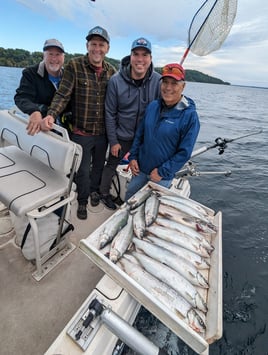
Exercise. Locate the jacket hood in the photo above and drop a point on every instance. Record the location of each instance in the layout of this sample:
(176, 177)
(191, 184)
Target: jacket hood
(125, 70)
(41, 69)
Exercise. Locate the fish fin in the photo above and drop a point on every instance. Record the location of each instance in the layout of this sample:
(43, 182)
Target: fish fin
(179, 314)
(199, 227)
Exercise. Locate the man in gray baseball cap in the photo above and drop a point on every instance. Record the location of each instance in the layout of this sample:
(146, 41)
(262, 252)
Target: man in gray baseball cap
(53, 43)
(39, 83)
(84, 84)
(98, 31)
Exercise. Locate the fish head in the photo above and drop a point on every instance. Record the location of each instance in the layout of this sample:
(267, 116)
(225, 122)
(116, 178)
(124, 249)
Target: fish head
(195, 321)
(114, 255)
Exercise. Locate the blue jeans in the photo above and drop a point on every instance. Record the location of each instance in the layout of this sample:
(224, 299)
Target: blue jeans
(138, 181)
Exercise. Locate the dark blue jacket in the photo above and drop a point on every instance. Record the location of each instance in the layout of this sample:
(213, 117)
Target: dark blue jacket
(165, 137)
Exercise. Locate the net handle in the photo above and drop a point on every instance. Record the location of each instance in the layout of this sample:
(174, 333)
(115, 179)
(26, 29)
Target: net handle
(200, 28)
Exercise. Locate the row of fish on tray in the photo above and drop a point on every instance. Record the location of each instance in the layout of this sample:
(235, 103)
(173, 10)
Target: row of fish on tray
(164, 243)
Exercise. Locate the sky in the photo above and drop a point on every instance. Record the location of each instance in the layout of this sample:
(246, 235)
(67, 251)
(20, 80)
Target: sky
(242, 59)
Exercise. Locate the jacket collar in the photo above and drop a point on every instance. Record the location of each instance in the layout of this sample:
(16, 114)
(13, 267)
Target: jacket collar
(41, 69)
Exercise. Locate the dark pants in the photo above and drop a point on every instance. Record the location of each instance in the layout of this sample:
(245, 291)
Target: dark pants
(88, 176)
(110, 167)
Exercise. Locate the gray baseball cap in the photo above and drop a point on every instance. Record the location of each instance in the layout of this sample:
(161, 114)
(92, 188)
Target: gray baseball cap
(98, 31)
(53, 43)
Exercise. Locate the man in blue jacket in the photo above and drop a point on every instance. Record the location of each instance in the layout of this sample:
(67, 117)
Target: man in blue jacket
(128, 93)
(165, 138)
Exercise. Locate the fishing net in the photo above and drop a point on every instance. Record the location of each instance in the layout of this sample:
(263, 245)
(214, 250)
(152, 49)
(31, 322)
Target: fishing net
(211, 25)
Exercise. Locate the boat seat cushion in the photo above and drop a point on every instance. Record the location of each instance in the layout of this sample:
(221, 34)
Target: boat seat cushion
(48, 147)
(27, 183)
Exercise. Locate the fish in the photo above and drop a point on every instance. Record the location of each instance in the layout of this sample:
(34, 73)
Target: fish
(188, 202)
(151, 209)
(188, 210)
(179, 239)
(122, 240)
(187, 231)
(166, 295)
(139, 221)
(139, 198)
(113, 226)
(172, 279)
(170, 259)
(195, 259)
(174, 215)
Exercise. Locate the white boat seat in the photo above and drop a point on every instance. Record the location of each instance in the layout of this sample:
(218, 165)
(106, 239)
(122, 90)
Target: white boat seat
(27, 183)
(36, 172)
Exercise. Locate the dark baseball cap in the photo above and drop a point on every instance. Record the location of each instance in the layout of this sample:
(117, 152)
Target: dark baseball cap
(98, 31)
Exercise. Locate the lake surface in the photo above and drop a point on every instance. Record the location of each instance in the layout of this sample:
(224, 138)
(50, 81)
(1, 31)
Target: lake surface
(229, 112)
(226, 112)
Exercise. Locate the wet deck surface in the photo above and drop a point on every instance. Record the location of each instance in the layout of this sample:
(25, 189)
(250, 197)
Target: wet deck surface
(34, 313)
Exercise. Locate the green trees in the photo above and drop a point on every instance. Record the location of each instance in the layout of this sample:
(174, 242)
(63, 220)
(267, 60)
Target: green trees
(21, 58)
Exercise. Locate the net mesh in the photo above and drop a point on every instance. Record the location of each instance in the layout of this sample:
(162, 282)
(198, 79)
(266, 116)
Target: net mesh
(211, 25)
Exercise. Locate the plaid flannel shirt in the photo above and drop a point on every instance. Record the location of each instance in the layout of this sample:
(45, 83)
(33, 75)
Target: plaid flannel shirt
(81, 86)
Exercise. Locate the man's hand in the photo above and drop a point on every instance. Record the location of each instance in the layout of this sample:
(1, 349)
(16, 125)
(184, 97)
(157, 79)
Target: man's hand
(34, 124)
(47, 123)
(134, 167)
(154, 176)
(115, 149)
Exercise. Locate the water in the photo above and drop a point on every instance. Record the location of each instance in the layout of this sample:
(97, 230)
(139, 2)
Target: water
(226, 112)
(9, 81)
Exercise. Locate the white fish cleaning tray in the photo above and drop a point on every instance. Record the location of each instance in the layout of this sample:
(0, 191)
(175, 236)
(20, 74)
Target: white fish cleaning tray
(212, 295)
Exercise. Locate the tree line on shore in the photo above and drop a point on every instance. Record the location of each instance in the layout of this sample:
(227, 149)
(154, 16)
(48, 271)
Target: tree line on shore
(21, 58)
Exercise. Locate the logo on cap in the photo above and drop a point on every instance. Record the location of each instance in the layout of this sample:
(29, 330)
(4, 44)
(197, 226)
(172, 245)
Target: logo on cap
(143, 43)
(98, 31)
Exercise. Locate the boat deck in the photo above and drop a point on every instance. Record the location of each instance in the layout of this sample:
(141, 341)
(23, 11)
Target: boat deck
(34, 313)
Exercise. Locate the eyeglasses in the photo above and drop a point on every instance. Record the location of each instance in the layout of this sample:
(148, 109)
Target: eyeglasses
(173, 71)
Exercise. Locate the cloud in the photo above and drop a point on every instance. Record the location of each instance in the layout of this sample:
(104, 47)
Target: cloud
(166, 24)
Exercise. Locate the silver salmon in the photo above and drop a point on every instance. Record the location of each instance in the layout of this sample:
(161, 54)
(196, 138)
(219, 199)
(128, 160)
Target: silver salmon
(175, 215)
(187, 231)
(195, 259)
(122, 240)
(151, 209)
(188, 210)
(170, 259)
(178, 238)
(173, 279)
(139, 198)
(139, 221)
(185, 200)
(112, 227)
(166, 295)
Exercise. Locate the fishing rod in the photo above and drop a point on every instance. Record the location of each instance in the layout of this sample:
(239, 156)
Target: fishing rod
(190, 168)
(216, 22)
(221, 143)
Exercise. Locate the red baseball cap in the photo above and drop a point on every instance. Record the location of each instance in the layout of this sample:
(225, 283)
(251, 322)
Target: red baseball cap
(174, 70)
